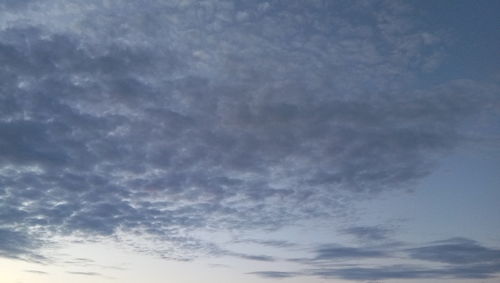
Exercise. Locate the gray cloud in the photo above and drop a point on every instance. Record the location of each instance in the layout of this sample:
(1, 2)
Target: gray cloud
(36, 272)
(457, 251)
(254, 257)
(410, 272)
(464, 259)
(84, 273)
(216, 250)
(173, 116)
(19, 245)
(338, 252)
(368, 233)
(269, 243)
(275, 274)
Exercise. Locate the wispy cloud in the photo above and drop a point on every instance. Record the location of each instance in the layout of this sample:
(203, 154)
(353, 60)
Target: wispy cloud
(84, 273)
(409, 272)
(368, 233)
(464, 259)
(275, 274)
(269, 243)
(36, 272)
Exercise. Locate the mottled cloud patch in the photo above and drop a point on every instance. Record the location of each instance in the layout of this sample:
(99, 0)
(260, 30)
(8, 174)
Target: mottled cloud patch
(165, 118)
(19, 245)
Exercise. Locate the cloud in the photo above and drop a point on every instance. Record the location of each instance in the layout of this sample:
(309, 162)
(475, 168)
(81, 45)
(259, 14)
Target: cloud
(388, 272)
(216, 250)
(254, 257)
(463, 259)
(274, 274)
(36, 272)
(171, 117)
(456, 251)
(338, 252)
(18, 245)
(328, 254)
(84, 273)
(269, 243)
(80, 260)
(409, 272)
(368, 233)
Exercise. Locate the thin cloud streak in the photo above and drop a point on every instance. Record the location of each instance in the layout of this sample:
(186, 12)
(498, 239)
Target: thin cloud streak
(464, 259)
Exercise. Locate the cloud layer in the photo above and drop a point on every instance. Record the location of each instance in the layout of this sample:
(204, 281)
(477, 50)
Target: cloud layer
(174, 116)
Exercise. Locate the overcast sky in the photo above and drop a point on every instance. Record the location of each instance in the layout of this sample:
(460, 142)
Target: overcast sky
(249, 141)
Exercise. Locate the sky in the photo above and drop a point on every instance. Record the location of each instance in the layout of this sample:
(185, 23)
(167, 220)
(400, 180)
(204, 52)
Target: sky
(249, 141)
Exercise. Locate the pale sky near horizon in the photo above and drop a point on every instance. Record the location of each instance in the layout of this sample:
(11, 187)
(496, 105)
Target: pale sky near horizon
(249, 141)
